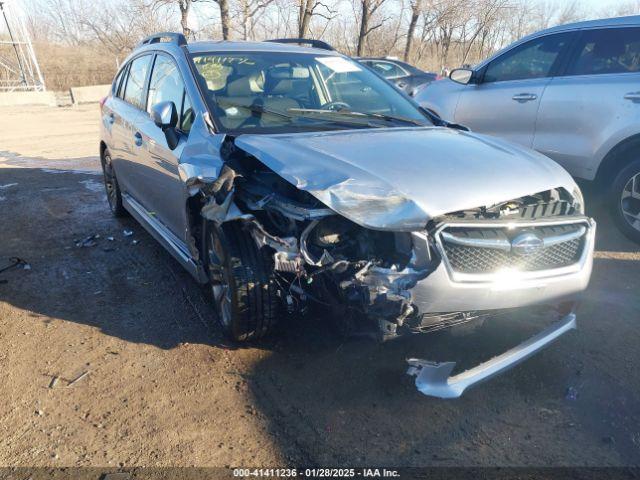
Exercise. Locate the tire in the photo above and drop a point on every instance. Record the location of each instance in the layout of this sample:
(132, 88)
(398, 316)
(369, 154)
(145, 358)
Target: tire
(624, 200)
(114, 196)
(241, 282)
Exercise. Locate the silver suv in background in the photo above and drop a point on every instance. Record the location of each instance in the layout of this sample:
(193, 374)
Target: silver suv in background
(571, 92)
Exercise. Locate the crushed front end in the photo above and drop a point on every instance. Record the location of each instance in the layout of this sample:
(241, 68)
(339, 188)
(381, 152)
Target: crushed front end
(388, 282)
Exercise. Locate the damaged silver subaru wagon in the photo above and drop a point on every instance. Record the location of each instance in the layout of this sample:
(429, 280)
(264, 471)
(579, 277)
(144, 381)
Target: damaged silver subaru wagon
(280, 175)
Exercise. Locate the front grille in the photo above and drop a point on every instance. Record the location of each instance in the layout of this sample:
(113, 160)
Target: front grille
(544, 210)
(497, 253)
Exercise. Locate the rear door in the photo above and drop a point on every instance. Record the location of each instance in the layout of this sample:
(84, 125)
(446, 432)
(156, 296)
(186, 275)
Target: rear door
(505, 102)
(110, 110)
(597, 96)
(158, 181)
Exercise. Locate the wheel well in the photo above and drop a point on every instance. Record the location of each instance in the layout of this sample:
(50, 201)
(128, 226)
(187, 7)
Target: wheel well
(616, 159)
(103, 147)
(193, 206)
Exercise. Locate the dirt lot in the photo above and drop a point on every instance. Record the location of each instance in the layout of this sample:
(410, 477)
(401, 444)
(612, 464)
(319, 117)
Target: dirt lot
(164, 388)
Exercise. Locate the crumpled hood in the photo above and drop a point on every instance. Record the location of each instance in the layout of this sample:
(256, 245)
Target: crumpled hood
(400, 178)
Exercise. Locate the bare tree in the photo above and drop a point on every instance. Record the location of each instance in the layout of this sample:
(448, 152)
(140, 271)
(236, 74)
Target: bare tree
(368, 9)
(416, 9)
(184, 6)
(118, 27)
(307, 9)
(249, 13)
(65, 17)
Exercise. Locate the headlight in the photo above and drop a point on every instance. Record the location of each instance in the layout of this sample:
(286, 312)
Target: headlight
(578, 200)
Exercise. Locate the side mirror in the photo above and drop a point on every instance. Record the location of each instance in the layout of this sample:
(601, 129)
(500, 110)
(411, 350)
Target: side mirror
(461, 75)
(165, 116)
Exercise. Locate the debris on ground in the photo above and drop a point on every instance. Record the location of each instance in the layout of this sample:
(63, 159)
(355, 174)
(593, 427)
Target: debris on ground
(54, 382)
(135, 242)
(571, 394)
(127, 233)
(14, 263)
(111, 239)
(78, 378)
(89, 241)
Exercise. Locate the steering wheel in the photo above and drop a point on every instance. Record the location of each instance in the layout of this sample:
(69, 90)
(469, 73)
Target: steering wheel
(336, 106)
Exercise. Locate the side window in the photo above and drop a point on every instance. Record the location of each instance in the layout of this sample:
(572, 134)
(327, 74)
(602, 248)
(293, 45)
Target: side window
(166, 85)
(122, 81)
(613, 50)
(387, 69)
(534, 59)
(134, 90)
(116, 82)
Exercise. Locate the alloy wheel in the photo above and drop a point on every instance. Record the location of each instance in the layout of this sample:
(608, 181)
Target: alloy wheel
(630, 202)
(110, 182)
(218, 278)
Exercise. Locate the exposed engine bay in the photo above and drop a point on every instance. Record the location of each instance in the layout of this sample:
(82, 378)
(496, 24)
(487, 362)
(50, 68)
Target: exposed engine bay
(319, 256)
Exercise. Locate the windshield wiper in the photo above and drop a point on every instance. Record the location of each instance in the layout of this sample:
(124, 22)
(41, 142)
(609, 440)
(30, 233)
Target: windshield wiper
(352, 113)
(259, 109)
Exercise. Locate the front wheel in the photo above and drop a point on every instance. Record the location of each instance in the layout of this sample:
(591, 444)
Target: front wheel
(625, 200)
(241, 281)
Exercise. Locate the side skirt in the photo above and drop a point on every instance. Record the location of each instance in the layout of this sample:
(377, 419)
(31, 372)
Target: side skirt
(176, 247)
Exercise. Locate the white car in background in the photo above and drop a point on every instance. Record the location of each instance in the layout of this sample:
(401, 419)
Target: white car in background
(571, 92)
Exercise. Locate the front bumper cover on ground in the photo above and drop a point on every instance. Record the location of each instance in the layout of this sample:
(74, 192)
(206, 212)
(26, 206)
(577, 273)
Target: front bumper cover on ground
(433, 379)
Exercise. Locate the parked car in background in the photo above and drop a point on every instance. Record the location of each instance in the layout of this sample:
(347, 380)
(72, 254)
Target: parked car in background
(404, 76)
(571, 92)
(279, 175)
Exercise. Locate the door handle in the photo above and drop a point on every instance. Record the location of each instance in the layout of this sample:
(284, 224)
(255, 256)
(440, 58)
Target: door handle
(524, 97)
(138, 139)
(633, 96)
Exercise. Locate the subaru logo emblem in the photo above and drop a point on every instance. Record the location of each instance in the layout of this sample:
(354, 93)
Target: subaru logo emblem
(526, 243)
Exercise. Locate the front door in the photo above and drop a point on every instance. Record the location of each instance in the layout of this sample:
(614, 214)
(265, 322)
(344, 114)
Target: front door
(159, 181)
(505, 101)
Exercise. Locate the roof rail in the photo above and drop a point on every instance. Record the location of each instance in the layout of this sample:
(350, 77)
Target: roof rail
(176, 38)
(303, 41)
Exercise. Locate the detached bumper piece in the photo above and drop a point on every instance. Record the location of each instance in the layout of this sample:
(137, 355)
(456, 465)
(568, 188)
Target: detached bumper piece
(433, 379)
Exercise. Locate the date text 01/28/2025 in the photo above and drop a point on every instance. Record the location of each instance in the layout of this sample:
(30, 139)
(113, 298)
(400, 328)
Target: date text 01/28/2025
(316, 472)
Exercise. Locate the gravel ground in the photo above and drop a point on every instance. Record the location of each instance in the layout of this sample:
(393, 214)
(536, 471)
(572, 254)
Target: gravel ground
(111, 356)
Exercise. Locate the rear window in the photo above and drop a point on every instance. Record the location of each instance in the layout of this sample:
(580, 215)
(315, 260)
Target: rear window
(613, 50)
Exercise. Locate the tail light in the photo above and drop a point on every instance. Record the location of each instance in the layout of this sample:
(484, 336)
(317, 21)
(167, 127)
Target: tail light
(102, 101)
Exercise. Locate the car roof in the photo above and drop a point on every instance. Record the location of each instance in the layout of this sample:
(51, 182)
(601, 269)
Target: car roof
(602, 22)
(630, 20)
(242, 46)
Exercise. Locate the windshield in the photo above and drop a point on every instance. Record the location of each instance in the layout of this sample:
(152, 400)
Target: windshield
(284, 92)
